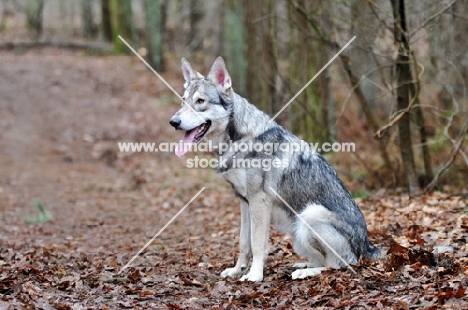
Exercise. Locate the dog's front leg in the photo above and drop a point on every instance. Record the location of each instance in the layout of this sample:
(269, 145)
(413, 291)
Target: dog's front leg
(260, 216)
(244, 242)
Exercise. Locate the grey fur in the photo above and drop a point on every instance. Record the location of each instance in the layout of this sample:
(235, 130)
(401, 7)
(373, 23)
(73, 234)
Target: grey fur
(308, 184)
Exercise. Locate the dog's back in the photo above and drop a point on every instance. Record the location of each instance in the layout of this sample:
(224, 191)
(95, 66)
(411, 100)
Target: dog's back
(308, 181)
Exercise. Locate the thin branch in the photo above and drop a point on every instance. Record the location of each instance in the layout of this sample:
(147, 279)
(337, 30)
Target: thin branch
(400, 114)
(382, 74)
(351, 91)
(455, 149)
(18, 6)
(462, 153)
(460, 76)
(452, 156)
(465, 18)
(449, 124)
(352, 175)
(431, 18)
(373, 6)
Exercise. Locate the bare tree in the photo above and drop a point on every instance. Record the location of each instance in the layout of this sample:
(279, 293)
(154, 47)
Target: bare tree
(404, 96)
(34, 17)
(270, 60)
(89, 30)
(122, 24)
(106, 25)
(253, 87)
(195, 35)
(155, 32)
(233, 34)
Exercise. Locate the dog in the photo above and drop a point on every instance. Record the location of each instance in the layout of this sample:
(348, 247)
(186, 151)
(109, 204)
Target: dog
(302, 194)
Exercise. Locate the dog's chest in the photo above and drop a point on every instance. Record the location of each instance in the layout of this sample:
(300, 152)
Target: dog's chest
(238, 180)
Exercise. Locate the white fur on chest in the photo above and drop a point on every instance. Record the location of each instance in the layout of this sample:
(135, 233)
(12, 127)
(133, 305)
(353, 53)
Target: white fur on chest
(238, 179)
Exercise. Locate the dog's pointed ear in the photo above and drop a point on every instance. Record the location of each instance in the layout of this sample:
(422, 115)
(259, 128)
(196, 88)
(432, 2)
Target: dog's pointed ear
(219, 74)
(187, 70)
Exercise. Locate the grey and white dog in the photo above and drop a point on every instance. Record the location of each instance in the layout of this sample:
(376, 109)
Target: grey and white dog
(304, 198)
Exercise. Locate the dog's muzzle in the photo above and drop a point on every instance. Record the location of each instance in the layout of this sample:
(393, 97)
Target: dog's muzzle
(175, 121)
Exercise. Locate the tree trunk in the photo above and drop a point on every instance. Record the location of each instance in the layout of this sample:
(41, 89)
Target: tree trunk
(122, 24)
(327, 101)
(34, 17)
(253, 86)
(310, 112)
(220, 30)
(270, 58)
(87, 19)
(321, 91)
(195, 35)
(155, 31)
(106, 26)
(429, 174)
(299, 47)
(404, 79)
(330, 103)
(460, 29)
(235, 38)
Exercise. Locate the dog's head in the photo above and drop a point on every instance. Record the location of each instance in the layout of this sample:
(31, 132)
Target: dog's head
(206, 104)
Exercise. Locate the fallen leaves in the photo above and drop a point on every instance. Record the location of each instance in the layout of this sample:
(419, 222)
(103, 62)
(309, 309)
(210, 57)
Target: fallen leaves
(182, 271)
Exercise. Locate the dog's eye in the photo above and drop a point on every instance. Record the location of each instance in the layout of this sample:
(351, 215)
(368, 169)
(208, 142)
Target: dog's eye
(200, 101)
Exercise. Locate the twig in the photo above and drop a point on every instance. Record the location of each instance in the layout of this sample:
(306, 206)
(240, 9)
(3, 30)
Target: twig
(373, 6)
(352, 175)
(455, 149)
(465, 18)
(446, 133)
(400, 114)
(452, 156)
(18, 6)
(434, 16)
(351, 91)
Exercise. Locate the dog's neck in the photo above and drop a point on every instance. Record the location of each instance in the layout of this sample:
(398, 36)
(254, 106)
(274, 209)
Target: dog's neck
(245, 121)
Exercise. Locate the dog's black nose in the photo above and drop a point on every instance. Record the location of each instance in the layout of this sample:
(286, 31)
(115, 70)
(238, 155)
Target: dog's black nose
(175, 122)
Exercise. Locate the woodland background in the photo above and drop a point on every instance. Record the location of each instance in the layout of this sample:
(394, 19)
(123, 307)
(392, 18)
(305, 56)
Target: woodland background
(74, 210)
(401, 85)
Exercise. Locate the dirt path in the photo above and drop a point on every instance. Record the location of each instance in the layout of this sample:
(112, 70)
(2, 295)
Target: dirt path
(61, 116)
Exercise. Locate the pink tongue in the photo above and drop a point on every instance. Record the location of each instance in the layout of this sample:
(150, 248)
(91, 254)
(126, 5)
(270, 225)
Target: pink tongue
(186, 142)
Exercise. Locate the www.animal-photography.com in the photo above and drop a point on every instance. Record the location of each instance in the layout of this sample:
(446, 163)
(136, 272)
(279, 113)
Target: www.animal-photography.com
(238, 154)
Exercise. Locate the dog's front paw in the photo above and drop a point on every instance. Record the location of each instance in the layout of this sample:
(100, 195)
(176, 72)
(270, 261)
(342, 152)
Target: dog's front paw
(233, 272)
(253, 276)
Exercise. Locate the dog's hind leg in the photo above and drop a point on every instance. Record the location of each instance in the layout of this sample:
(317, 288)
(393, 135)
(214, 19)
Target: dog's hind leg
(320, 243)
(302, 246)
(307, 272)
(307, 244)
(316, 261)
(244, 243)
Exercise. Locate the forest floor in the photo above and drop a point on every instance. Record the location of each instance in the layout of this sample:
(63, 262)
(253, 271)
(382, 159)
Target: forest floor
(61, 116)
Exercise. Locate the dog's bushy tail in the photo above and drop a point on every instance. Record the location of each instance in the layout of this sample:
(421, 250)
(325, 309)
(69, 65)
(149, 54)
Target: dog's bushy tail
(373, 252)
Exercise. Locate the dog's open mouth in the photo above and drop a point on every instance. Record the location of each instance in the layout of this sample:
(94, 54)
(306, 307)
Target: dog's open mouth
(191, 137)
